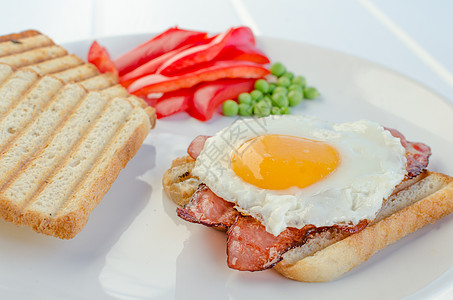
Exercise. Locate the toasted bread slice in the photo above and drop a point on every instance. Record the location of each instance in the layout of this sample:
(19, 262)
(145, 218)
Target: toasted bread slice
(66, 131)
(329, 254)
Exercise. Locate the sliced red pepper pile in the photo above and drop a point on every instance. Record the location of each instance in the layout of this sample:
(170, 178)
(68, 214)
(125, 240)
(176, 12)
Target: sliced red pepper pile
(181, 70)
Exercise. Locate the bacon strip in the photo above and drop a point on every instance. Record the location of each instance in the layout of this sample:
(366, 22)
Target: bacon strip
(197, 145)
(251, 248)
(208, 209)
(417, 154)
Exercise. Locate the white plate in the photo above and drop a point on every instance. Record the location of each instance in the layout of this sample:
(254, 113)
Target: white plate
(135, 247)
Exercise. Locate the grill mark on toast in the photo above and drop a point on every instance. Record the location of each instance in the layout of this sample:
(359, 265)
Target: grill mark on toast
(5, 72)
(118, 90)
(115, 91)
(71, 173)
(26, 109)
(139, 102)
(48, 161)
(58, 64)
(149, 110)
(78, 73)
(99, 82)
(15, 87)
(24, 44)
(35, 136)
(33, 56)
(134, 102)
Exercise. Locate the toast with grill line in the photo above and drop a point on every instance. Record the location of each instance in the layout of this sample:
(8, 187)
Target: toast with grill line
(66, 131)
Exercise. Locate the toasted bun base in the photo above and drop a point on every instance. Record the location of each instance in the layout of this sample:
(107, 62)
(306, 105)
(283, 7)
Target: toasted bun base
(178, 182)
(327, 256)
(436, 193)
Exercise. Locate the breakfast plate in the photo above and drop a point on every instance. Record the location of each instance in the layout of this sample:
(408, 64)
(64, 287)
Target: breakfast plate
(135, 247)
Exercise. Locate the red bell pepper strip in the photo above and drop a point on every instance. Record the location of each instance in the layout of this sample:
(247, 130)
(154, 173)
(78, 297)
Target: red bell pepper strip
(98, 56)
(195, 55)
(170, 39)
(241, 35)
(172, 102)
(157, 83)
(209, 95)
(243, 52)
(151, 66)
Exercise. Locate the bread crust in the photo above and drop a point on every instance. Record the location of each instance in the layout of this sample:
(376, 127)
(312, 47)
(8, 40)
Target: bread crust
(20, 35)
(343, 255)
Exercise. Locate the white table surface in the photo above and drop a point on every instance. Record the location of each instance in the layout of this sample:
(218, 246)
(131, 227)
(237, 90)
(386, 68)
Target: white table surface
(412, 37)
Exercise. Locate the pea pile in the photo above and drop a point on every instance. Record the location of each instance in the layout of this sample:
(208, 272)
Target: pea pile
(271, 98)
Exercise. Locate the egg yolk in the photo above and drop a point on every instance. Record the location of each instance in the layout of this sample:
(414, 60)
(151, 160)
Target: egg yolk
(278, 162)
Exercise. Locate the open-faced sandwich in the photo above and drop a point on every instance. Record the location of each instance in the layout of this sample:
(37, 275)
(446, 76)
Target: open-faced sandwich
(309, 198)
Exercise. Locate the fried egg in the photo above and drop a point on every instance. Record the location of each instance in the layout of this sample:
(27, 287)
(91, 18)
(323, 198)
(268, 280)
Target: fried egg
(291, 171)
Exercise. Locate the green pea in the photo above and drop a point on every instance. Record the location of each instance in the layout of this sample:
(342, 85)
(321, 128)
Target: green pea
(284, 81)
(256, 95)
(299, 80)
(244, 98)
(267, 100)
(278, 69)
(262, 85)
(275, 111)
(261, 109)
(295, 87)
(280, 89)
(245, 109)
(272, 87)
(230, 108)
(279, 100)
(310, 92)
(285, 110)
(289, 75)
(294, 98)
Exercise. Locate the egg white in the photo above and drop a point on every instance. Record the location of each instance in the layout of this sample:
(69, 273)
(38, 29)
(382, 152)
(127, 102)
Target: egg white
(373, 162)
